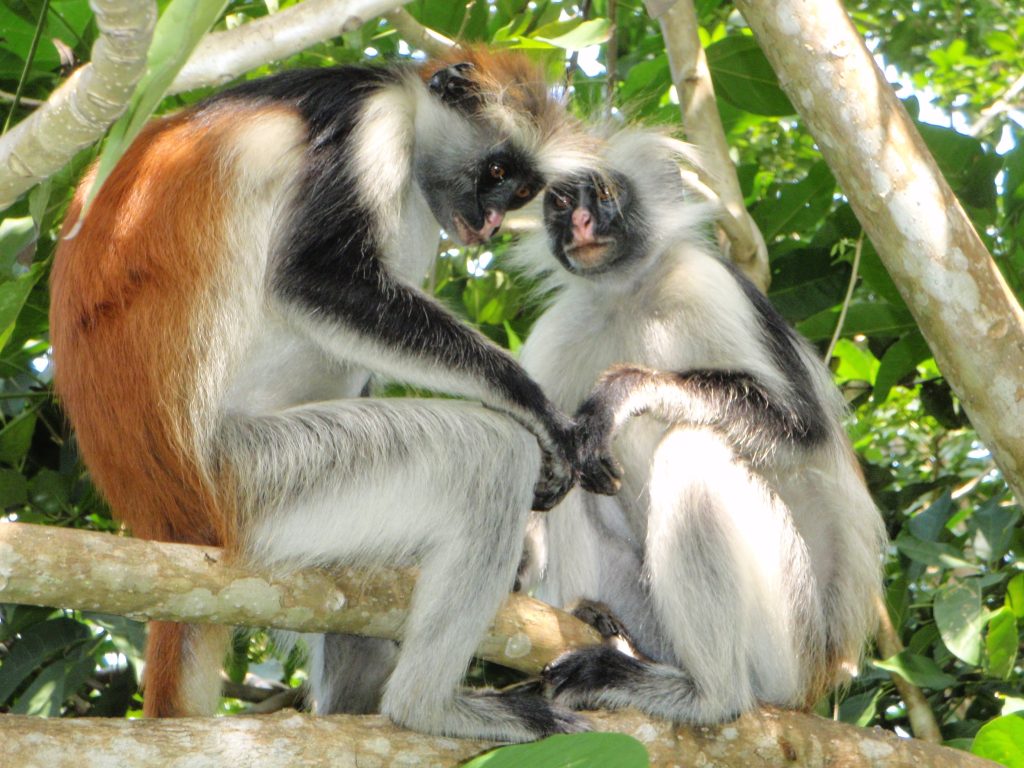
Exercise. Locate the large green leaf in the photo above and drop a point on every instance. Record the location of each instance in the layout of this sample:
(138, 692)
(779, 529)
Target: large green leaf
(742, 75)
(931, 553)
(809, 198)
(1015, 595)
(13, 294)
(917, 669)
(579, 750)
(573, 35)
(900, 360)
(36, 646)
(869, 318)
(178, 31)
(1001, 643)
(1002, 740)
(959, 617)
(805, 282)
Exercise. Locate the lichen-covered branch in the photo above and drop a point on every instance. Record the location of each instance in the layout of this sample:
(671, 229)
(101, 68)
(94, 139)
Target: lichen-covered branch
(80, 111)
(703, 126)
(766, 739)
(966, 311)
(43, 565)
(223, 56)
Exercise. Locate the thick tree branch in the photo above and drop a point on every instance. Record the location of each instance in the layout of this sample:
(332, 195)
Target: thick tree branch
(223, 56)
(703, 128)
(766, 739)
(43, 565)
(972, 322)
(80, 111)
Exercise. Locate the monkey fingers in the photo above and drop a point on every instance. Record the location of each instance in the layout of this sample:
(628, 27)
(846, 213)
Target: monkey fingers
(600, 472)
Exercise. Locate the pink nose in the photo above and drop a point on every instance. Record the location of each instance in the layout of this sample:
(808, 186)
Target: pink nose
(582, 225)
(492, 221)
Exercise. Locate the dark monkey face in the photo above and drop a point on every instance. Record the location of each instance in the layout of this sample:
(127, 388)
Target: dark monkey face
(593, 224)
(477, 173)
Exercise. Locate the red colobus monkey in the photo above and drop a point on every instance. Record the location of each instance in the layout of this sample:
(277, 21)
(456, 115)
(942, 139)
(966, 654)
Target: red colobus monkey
(743, 551)
(248, 264)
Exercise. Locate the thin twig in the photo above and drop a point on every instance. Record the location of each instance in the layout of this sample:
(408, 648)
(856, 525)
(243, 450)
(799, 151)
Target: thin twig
(1003, 104)
(846, 299)
(611, 58)
(23, 101)
(33, 47)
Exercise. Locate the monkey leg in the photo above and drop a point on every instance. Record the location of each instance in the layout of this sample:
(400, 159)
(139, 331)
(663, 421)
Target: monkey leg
(728, 578)
(348, 672)
(443, 484)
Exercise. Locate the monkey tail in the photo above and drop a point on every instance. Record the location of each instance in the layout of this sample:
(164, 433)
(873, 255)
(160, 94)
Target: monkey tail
(183, 663)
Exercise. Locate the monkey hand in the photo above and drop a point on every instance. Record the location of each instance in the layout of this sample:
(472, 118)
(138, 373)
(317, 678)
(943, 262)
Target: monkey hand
(600, 472)
(557, 473)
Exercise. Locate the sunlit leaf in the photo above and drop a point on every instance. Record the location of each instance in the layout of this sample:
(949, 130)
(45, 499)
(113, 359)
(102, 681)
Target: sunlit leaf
(1001, 643)
(916, 669)
(742, 75)
(1002, 740)
(959, 618)
(578, 750)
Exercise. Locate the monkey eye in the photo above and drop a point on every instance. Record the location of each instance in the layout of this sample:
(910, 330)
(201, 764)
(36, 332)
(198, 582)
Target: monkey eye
(561, 202)
(497, 171)
(524, 192)
(605, 192)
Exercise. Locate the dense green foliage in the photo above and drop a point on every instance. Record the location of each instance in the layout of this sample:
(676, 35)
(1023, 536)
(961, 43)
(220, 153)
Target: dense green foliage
(954, 574)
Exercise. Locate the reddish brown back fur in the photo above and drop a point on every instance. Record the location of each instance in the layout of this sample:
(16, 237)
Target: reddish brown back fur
(125, 293)
(126, 297)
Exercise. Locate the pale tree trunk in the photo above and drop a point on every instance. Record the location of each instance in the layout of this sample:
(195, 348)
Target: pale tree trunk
(703, 127)
(80, 111)
(765, 739)
(972, 322)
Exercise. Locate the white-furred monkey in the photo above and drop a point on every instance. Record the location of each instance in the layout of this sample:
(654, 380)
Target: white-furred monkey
(742, 552)
(248, 264)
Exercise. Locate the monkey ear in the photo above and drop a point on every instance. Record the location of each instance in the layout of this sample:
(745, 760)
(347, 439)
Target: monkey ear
(453, 87)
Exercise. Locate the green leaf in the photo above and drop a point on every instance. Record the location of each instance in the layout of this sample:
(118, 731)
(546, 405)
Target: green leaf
(996, 524)
(573, 35)
(869, 318)
(54, 684)
(13, 294)
(16, 437)
(855, 364)
(805, 282)
(812, 193)
(916, 669)
(178, 31)
(929, 523)
(899, 361)
(959, 617)
(1001, 643)
(13, 489)
(931, 553)
(742, 75)
(1015, 595)
(16, 234)
(37, 645)
(1002, 740)
(578, 750)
